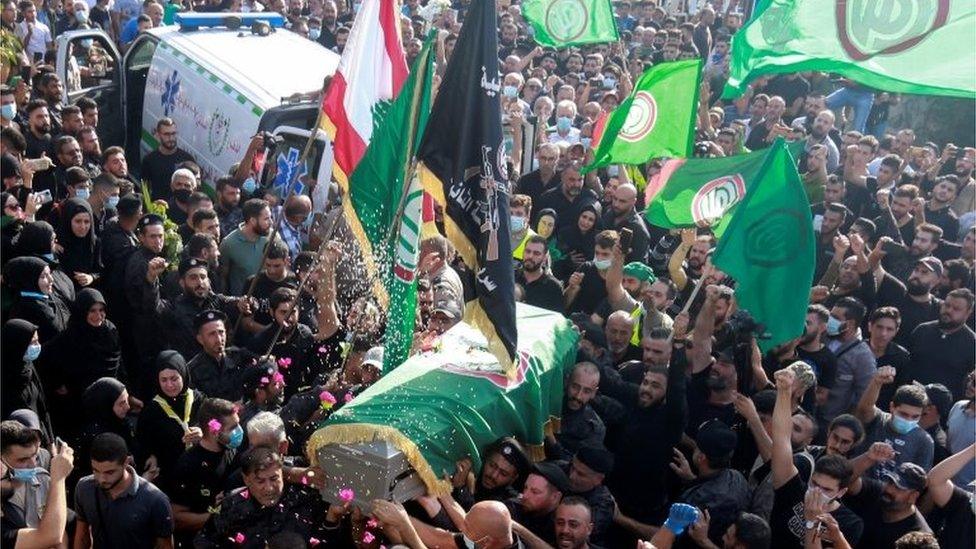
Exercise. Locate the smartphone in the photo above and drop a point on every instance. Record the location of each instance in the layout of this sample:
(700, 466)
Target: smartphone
(45, 196)
(59, 444)
(626, 236)
(38, 57)
(817, 223)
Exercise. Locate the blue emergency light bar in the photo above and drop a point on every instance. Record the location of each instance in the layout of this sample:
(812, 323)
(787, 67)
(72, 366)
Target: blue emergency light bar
(233, 21)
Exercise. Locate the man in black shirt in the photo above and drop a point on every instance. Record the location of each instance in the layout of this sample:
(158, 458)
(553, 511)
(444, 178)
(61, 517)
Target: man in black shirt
(536, 507)
(814, 351)
(159, 165)
(623, 215)
(539, 288)
(587, 286)
(896, 515)
(568, 198)
(276, 273)
(917, 305)
(944, 351)
(218, 370)
(882, 327)
(619, 330)
(937, 210)
(538, 181)
(954, 504)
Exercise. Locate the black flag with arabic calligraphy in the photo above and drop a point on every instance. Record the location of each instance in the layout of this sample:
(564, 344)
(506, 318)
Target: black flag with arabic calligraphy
(463, 168)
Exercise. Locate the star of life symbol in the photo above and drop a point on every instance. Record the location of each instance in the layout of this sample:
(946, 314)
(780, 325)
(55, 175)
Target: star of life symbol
(288, 163)
(172, 89)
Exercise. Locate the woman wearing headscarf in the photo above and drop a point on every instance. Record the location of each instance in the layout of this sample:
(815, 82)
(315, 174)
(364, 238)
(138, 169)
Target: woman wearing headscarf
(575, 243)
(79, 256)
(167, 424)
(31, 281)
(88, 349)
(105, 405)
(21, 385)
(38, 239)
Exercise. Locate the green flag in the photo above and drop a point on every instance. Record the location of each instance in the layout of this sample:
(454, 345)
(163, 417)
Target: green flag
(563, 23)
(656, 119)
(452, 401)
(385, 203)
(903, 49)
(699, 192)
(769, 249)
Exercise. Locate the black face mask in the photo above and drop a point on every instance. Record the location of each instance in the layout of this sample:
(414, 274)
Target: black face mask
(182, 195)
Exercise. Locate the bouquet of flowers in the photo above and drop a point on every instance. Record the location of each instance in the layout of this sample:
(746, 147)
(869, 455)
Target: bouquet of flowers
(433, 9)
(172, 243)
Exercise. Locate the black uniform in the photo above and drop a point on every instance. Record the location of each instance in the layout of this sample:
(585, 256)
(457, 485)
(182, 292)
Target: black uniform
(220, 378)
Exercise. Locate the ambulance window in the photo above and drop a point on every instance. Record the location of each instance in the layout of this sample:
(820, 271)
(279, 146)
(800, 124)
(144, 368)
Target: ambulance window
(286, 154)
(91, 64)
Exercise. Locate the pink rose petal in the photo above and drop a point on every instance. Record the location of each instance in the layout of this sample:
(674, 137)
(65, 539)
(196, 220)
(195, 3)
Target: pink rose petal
(278, 378)
(368, 537)
(214, 425)
(371, 523)
(265, 381)
(346, 494)
(313, 541)
(239, 538)
(246, 494)
(347, 398)
(326, 396)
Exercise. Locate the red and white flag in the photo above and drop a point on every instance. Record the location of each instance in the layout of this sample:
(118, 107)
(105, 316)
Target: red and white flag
(372, 70)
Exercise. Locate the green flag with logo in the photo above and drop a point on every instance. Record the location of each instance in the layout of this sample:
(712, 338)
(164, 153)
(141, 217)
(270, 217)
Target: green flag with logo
(452, 400)
(909, 46)
(769, 249)
(656, 119)
(700, 192)
(389, 208)
(563, 23)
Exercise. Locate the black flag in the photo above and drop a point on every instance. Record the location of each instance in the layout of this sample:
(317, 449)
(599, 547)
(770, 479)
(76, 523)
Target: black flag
(463, 168)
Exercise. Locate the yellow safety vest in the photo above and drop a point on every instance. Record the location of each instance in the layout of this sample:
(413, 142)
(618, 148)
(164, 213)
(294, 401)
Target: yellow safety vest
(520, 249)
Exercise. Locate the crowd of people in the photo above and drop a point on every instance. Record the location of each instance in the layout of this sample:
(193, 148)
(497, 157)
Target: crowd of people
(154, 397)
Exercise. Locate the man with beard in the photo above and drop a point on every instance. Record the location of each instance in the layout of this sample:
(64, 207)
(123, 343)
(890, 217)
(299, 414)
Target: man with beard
(854, 276)
(834, 218)
(714, 381)
(917, 305)
(642, 442)
(623, 215)
(855, 361)
(542, 179)
(503, 470)
(899, 260)
(228, 204)
(264, 390)
(175, 319)
(539, 288)
(242, 250)
(966, 197)
(813, 350)
(574, 523)
(202, 470)
(91, 150)
(580, 423)
(535, 508)
(619, 331)
(897, 493)
(568, 198)
(944, 350)
(695, 248)
(844, 433)
(937, 210)
(762, 135)
(276, 273)
(820, 135)
(217, 370)
(116, 507)
(587, 287)
(115, 167)
(67, 155)
(142, 268)
(329, 24)
(39, 139)
(159, 165)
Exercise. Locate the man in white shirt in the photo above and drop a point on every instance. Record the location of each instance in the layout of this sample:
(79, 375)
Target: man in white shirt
(36, 36)
(564, 130)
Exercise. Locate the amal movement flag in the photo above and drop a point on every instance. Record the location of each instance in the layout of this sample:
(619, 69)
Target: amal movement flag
(563, 23)
(769, 249)
(388, 204)
(656, 119)
(909, 46)
(370, 74)
(702, 192)
(464, 170)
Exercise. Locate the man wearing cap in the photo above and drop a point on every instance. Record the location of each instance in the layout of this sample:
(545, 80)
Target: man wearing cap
(634, 288)
(587, 470)
(142, 267)
(536, 507)
(264, 389)
(897, 492)
(504, 467)
(623, 215)
(539, 288)
(176, 317)
(444, 315)
(580, 425)
(218, 370)
(935, 417)
(716, 487)
(916, 302)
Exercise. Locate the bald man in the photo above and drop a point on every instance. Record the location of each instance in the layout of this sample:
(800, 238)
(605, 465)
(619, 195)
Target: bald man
(619, 330)
(487, 525)
(293, 229)
(623, 214)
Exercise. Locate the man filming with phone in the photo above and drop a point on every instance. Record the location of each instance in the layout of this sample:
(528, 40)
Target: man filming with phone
(623, 218)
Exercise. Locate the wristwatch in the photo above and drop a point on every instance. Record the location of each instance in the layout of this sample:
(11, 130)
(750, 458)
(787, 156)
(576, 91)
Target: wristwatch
(810, 524)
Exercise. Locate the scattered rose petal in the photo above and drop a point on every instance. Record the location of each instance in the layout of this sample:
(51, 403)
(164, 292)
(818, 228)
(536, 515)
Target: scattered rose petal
(305, 479)
(328, 399)
(346, 494)
(278, 378)
(371, 523)
(313, 541)
(246, 494)
(323, 350)
(284, 363)
(265, 381)
(214, 425)
(347, 398)
(368, 537)
(239, 538)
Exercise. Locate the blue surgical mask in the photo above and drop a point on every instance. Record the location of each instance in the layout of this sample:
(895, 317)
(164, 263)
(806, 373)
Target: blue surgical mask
(602, 264)
(563, 123)
(83, 194)
(834, 326)
(28, 474)
(609, 82)
(518, 224)
(235, 438)
(82, 18)
(903, 426)
(112, 201)
(313, 34)
(613, 170)
(8, 111)
(510, 91)
(586, 142)
(87, 43)
(48, 256)
(33, 351)
(249, 185)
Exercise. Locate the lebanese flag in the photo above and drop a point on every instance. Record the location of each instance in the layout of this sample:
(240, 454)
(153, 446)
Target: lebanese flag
(372, 70)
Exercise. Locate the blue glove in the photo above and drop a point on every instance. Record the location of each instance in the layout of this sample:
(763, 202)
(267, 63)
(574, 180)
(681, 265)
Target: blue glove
(680, 516)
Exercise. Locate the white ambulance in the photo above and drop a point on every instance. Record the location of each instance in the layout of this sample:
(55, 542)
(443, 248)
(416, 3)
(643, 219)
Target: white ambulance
(222, 77)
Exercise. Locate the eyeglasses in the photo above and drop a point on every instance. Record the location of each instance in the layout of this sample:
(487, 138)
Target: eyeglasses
(15, 206)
